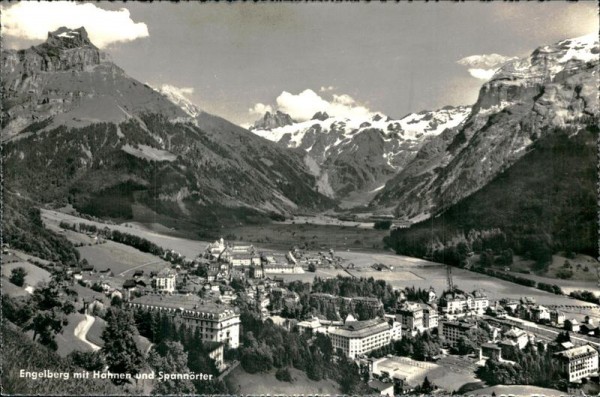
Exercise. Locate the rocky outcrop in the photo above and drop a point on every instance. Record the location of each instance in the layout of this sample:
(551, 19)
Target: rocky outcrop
(68, 81)
(272, 121)
(320, 116)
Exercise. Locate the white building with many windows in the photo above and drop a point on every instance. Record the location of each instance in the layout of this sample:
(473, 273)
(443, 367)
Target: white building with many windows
(165, 280)
(579, 362)
(360, 337)
(465, 303)
(417, 317)
(216, 322)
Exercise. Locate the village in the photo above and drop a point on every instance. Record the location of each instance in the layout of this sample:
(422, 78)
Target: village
(467, 328)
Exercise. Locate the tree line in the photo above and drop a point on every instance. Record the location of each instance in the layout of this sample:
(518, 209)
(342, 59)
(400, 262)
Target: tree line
(178, 349)
(525, 209)
(131, 240)
(266, 346)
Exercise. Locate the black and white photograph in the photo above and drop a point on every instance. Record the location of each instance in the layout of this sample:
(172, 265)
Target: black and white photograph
(336, 198)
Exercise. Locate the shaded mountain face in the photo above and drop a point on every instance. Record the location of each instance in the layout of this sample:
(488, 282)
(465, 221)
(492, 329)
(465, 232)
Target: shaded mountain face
(355, 157)
(545, 202)
(76, 128)
(556, 86)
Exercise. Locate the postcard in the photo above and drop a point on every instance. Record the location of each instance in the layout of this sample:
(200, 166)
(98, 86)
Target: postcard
(300, 198)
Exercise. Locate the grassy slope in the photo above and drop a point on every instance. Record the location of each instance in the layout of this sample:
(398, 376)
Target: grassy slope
(18, 353)
(548, 194)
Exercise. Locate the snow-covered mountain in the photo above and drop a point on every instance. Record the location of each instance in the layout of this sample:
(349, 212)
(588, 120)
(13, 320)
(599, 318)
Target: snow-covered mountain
(174, 95)
(554, 87)
(358, 155)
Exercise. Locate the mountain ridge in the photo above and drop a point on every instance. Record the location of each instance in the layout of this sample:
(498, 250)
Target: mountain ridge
(556, 85)
(83, 132)
(356, 155)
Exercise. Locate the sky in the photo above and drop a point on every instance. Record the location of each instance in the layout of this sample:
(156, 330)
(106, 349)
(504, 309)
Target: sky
(238, 60)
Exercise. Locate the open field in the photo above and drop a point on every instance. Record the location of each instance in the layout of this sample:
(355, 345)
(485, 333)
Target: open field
(516, 390)
(431, 274)
(188, 248)
(578, 266)
(12, 290)
(454, 372)
(94, 335)
(34, 274)
(88, 294)
(267, 384)
(308, 277)
(589, 284)
(120, 258)
(326, 220)
(581, 278)
(20, 256)
(285, 236)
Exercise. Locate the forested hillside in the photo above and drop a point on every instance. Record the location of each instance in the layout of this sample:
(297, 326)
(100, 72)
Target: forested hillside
(544, 203)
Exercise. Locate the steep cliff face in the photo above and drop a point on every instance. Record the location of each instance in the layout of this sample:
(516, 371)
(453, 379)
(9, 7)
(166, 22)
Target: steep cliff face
(353, 157)
(78, 129)
(68, 81)
(556, 86)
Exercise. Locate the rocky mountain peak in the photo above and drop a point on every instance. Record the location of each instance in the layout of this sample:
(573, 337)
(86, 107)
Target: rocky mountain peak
(273, 120)
(66, 38)
(320, 116)
(556, 86)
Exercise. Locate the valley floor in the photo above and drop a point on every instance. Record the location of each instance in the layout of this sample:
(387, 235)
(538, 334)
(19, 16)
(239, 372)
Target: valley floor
(406, 272)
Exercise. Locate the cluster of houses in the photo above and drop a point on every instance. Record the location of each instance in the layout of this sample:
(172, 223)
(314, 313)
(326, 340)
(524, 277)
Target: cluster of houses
(227, 260)
(206, 300)
(527, 309)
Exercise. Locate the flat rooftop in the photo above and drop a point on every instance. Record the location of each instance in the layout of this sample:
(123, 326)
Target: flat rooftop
(361, 329)
(184, 303)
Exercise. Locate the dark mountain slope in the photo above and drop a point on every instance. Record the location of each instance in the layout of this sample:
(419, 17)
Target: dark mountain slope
(23, 229)
(77, 129)
(546, 201)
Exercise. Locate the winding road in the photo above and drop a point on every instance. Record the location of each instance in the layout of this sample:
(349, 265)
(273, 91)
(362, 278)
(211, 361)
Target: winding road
(82, 329)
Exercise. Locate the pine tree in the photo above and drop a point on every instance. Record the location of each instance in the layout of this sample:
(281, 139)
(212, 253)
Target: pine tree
(120, 350)
(170, 358)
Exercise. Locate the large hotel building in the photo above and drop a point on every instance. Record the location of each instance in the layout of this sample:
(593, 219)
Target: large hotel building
(579, 362)
(217, 323)
(360, 337)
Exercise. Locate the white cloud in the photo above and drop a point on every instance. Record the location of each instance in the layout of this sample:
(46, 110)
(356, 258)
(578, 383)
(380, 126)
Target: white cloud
(484, 66)
(33, 21)
(326, 88)
(182, 92)
(304, 105)
(483, 74)
(260, 109)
